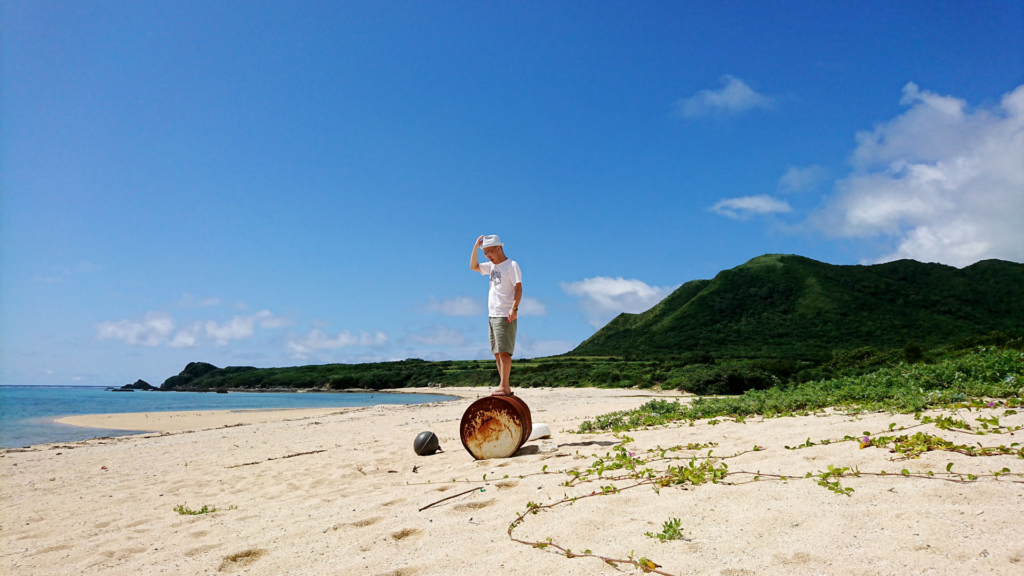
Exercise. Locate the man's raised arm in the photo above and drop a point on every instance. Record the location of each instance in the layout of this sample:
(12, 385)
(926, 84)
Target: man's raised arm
(474, 264)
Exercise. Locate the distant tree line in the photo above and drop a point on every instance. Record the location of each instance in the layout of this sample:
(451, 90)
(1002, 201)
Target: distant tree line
(695, 372)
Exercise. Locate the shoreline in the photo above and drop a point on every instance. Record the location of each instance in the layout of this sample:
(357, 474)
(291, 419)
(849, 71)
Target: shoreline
(207, 415)
(185, 420)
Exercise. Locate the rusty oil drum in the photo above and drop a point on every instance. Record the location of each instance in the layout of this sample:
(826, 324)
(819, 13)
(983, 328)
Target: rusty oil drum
(495, 427)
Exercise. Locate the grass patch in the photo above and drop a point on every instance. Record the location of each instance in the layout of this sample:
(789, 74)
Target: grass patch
(186, 511)
(670, 530)
(965, 377)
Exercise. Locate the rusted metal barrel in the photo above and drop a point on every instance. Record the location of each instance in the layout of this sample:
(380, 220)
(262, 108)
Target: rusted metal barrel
(495, 426)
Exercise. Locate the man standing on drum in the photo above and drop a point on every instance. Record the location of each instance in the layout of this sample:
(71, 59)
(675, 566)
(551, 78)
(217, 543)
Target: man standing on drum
(502, 303)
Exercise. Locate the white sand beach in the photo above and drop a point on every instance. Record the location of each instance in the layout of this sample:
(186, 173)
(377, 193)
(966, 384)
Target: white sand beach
(347, 500)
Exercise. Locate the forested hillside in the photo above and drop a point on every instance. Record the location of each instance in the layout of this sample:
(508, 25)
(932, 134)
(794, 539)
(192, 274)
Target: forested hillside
(783, 306)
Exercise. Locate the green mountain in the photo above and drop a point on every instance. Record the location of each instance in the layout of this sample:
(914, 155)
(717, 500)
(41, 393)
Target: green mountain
(785, 306)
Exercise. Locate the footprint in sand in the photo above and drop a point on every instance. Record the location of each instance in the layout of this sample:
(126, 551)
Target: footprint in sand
(472, 505)
(366, 522)
(444, 488)
(49, 549)
(136, 523)
(507, 484)
(240, 560)
(102, 557)
(405, 533)
(199, 534)
(201, 549)
(402, 572)
(393, 502)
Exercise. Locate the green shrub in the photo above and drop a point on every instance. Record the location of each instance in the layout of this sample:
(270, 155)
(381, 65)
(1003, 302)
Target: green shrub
(980, 373)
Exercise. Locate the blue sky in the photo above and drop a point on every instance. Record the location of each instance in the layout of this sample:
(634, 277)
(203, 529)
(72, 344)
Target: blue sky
(271, 184)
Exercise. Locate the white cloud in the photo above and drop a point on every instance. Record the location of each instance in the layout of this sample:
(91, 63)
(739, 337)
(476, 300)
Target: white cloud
(603, 298)
(527, 347)
(316, 340)
(437, 335)
(150, 330)
(235, 329)
(798, 179)
(267, 320)
(733, 98)
(746, 206)
(187, 337)
(943, 181)
(240, 327)
(191, 301)
(457, 306)
(532, 307)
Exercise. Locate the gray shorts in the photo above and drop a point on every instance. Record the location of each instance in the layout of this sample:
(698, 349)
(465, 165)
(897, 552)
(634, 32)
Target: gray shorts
(502, 334)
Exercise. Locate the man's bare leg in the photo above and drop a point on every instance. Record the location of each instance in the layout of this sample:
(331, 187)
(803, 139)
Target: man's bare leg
(504, 362)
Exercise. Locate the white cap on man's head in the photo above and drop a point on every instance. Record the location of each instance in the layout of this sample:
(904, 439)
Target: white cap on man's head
(491, 241)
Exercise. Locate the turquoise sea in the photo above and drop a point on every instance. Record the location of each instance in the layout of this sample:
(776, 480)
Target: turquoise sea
(27, 413)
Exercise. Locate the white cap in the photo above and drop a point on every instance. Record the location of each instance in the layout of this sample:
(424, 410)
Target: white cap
(491, 241)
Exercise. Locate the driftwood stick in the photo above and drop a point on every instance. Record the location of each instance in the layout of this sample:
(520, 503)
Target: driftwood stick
(278, 458)
(298, 454)
(448, 498)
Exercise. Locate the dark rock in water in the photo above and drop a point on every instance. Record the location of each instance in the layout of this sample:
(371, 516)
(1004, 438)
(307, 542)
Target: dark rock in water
(222, 391)
(138, 385)
(122, 390)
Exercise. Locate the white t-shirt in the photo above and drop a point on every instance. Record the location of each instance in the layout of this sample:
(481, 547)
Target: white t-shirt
(502, 294)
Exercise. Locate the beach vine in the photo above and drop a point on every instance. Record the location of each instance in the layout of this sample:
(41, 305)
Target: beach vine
(623, 469)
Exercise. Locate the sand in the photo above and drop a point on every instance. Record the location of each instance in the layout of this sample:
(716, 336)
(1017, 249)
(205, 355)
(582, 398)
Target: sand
(194, 420)
(348, 504)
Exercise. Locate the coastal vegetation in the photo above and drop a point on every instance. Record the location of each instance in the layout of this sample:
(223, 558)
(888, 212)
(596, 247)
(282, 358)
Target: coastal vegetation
(985, 376)
(698, 373)
(771, 324)
(186, 511)
(680, 466)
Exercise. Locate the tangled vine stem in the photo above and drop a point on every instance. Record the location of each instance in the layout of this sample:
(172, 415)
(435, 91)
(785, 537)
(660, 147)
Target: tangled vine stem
(712, 469)
(641, 563)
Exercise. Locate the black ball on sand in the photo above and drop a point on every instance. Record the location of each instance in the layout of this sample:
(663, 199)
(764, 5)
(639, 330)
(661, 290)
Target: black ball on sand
(426, 443)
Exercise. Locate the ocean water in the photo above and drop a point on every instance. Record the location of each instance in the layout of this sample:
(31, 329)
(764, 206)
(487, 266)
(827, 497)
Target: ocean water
(27, 413)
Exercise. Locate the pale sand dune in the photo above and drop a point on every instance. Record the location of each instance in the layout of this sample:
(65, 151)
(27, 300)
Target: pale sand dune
(342, 510)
